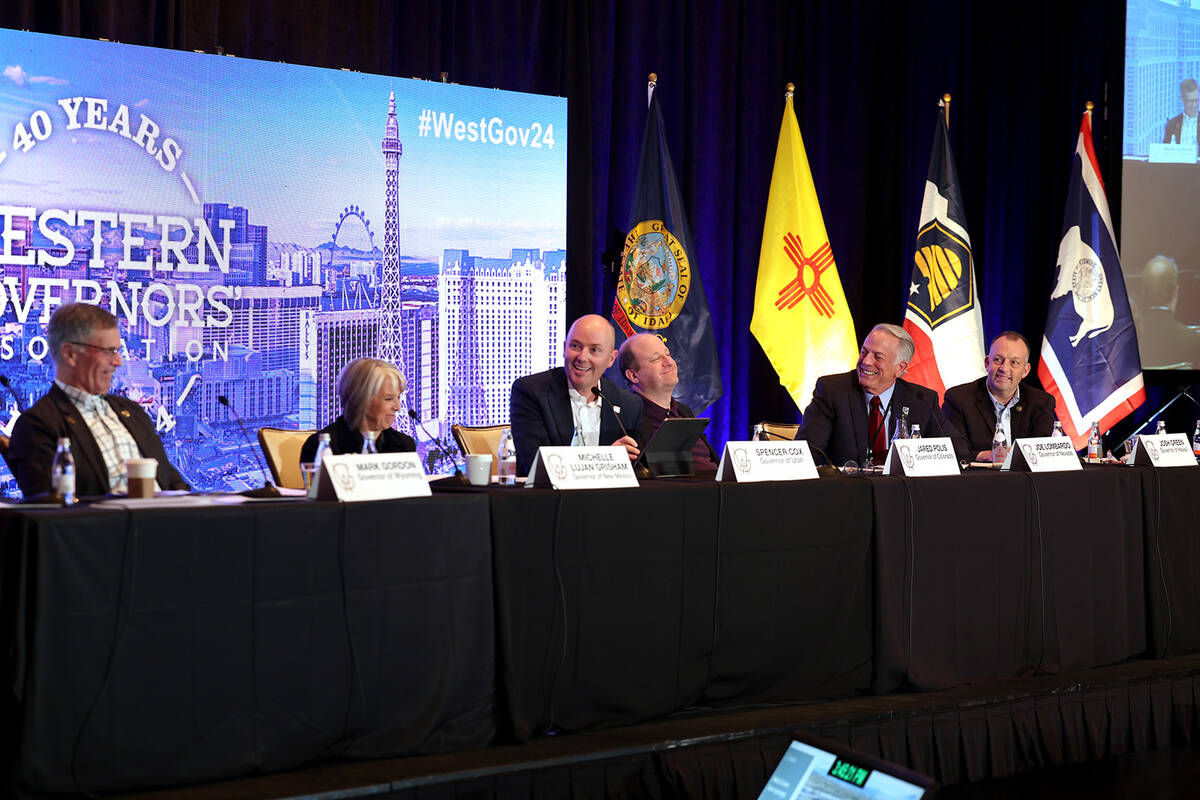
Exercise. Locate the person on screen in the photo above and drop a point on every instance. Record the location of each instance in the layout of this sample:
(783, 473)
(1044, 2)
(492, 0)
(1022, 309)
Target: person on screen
(650, 372)
(1162, 339)
(1185, 128)
(369, 390)
(974, 408)
(559, 406)
(104, 429)
(851, 414)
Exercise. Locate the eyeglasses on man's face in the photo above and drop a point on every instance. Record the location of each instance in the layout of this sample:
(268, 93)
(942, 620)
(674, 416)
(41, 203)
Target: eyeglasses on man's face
(111, 352)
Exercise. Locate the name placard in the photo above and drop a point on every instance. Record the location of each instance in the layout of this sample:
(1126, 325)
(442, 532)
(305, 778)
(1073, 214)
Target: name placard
(1167, 450)
(750, 462)
(581, 468)
(1042, 454)
(381, 476)
(919, 458)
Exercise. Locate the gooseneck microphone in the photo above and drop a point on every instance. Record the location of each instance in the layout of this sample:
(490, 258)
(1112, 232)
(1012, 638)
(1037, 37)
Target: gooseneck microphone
(639, 466)
(829, 467)
(458, 473)
(4, 382)
(268, 488)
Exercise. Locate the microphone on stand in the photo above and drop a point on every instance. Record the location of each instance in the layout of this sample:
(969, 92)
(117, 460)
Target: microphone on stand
(268, 488)
(4, 382)
(829, 468)
(458, 473)
(639, 466)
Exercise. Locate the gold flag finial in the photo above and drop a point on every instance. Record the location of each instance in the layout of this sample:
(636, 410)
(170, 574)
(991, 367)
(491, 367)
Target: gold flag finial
(1088, 106)
(946, 105)
(789, 90)
(654, 77)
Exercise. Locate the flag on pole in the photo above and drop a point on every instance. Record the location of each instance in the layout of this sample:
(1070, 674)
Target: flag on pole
(1089, 359)
(801, 319)
(659, 289)
(943, 314)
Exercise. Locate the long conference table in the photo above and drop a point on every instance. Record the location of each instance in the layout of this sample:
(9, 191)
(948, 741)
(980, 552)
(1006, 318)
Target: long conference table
(159, 646)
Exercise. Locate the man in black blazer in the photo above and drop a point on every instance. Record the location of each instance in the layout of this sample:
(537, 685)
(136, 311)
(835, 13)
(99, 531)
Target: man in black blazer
(839, 418)
(975, 407)
(551, 407)
(85, 345)
(1189, 95)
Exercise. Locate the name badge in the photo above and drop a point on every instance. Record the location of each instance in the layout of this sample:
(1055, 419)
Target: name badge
(379, 476)
(749, 462)
(918, 458)
(1042, 454)
(1168, 450)
(581, 468)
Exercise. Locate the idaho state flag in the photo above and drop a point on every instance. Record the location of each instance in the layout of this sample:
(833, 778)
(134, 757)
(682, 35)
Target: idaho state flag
(1090, 360)
(800, 313)
(943, 309)
(658, 289)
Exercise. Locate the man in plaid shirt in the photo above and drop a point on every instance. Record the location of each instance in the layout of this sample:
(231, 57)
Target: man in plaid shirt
(104, 429)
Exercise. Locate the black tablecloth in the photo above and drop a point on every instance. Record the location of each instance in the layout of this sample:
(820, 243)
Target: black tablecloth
(634, 574)
(1172, 512)
(999, 574)
(171, 646)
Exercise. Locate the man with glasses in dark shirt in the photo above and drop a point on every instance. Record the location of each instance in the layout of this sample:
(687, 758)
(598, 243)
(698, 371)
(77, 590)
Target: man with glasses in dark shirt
(104, 429)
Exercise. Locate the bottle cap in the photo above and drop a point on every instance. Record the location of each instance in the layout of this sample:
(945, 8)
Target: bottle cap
(64, 441)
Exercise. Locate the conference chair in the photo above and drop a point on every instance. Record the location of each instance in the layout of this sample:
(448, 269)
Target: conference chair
(780, 430)
(282, 447)
(473, 440)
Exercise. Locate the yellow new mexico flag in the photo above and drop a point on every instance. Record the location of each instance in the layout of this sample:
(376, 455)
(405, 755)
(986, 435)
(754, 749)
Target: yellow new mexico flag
(800, 314)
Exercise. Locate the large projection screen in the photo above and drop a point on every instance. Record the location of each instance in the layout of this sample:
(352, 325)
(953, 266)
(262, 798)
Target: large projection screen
(255, 226)
(1160, 198)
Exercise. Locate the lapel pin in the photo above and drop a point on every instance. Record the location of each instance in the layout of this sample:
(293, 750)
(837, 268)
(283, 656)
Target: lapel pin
(124, 413)
(70, 420)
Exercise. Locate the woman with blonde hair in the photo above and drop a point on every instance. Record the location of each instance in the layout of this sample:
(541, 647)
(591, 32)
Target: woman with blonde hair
(369, 390)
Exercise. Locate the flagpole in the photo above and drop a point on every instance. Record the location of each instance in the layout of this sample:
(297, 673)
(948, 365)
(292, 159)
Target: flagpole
(946, 104)
(650, 88)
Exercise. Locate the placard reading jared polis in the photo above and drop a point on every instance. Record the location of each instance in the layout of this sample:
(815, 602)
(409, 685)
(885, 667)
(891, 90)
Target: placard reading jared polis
(255, 226)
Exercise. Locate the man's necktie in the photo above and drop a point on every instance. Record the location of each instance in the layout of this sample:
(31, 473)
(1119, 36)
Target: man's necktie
(876, 433)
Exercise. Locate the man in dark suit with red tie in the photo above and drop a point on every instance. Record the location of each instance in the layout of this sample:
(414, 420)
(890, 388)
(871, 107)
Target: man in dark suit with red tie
(975, 408)
(852, 416)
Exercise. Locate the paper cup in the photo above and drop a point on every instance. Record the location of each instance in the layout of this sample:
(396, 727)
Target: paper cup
(479, 469)
(141, 473)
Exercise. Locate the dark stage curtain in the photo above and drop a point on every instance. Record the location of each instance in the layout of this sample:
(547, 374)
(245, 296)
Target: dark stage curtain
(868, 75)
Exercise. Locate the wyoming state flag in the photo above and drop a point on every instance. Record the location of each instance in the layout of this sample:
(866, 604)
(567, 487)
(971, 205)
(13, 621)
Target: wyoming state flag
(1090, 360)
(943, 314)
(659, 290)
(800, 313)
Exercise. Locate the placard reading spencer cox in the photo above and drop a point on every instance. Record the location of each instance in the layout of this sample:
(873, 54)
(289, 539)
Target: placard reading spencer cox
(749, 462)
(1042, 454)
(1167, 450)
(255, 226)
(581, 468)
(921, 457)
(378, 476)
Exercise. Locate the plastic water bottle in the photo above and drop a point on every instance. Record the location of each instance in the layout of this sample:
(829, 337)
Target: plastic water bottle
(1161, 428)
(506, 459)
(369, 443)
(903, 429)
(1196, 441)
(322, 449)
(916, 431)
(999, 444)
(1058, 431)
(760, 433)
(1093, 451)
(62, 471)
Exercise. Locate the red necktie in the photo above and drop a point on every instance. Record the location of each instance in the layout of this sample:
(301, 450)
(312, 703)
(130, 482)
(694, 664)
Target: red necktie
(875, 429)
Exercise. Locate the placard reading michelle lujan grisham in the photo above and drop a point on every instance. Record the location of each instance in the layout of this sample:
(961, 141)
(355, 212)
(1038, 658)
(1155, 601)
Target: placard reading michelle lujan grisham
(751, 462)
(581, 468)
(379, 476)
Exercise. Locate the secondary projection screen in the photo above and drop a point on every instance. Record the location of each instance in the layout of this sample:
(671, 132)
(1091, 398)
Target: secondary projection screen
(1160, 199)
(254, 226)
